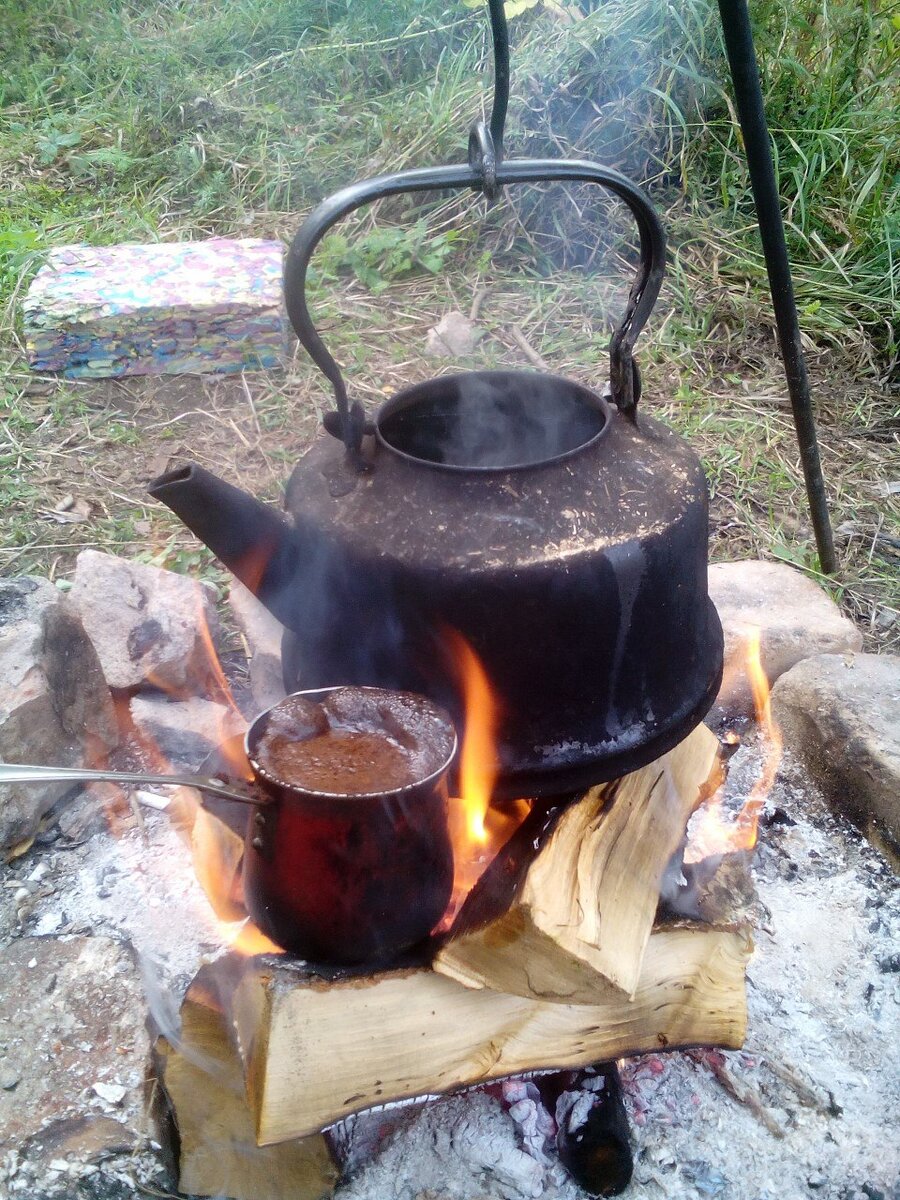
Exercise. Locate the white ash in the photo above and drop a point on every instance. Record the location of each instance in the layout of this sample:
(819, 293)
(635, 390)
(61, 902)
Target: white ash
(574, 1108)
(458, 1148)
(823, 1036)
(823, 1025)
(535, 1126)
(129, 882)
(135, 884)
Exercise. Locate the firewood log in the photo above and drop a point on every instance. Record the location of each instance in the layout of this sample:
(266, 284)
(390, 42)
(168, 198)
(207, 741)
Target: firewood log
(218, 1154)
(580, 917)
(318, 1045)
(218, 855)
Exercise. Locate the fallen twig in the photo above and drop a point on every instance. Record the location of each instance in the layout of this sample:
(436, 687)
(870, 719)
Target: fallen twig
(238, 432)
(745, 1094)
(477, 302)
(527, 349)
(245, 385)
(804, 1092)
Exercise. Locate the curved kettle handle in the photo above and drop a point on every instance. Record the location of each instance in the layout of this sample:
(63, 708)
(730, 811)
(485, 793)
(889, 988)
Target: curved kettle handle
(350, 423)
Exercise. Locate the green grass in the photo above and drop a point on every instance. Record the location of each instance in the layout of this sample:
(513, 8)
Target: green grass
(141, 120)
(133, 120)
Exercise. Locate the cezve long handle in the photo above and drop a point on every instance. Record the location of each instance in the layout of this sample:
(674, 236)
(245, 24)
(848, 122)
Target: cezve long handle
(21, 773)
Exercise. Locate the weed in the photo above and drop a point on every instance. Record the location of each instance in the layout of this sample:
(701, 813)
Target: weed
(145, 119)
(188, 560)
(385, 254)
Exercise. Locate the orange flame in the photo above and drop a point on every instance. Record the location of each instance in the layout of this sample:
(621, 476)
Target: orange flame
(712, 830)
(212, 660)
(477, 830)
(216, 851)
(251, 567)
(245, 938)
(478, 764)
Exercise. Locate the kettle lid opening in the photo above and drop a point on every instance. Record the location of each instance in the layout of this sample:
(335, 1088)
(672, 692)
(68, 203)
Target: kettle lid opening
(491, 421)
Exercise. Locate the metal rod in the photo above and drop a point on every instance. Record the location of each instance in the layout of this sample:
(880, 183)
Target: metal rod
(500, 35)
(748, 95)
(22, 773)
(642, 297)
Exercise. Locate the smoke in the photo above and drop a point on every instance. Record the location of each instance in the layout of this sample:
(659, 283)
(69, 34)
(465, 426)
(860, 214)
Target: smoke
(161, 1000)
(494, 420)
(621, 83)
(347, 614)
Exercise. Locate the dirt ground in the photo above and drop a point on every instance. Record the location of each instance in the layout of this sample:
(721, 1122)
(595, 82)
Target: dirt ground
(88, 449)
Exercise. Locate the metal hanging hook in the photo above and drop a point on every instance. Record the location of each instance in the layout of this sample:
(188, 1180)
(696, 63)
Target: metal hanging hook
(488, 171)
(486, 140)
(500, 34)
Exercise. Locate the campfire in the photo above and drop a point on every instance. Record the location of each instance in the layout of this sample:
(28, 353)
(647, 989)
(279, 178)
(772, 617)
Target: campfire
(580, 929)
(482, 877)
(575, 930)
(591, 938)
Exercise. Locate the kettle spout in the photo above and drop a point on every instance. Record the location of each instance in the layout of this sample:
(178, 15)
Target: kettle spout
(250, 538)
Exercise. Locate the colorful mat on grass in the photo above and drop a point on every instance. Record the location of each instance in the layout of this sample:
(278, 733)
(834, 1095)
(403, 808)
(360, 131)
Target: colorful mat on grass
(98, 311)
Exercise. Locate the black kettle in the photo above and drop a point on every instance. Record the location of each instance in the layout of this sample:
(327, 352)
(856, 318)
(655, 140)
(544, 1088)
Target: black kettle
(561, 532)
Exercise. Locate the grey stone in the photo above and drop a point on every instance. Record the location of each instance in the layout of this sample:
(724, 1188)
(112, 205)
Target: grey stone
(91, 810)
(87, 1028)
(55, 707)
(262, 633)
(796, 619)
(185, 731)
(9, 1077)
(840, 713)
(110, 1093)
(146, 623)
(454, 336)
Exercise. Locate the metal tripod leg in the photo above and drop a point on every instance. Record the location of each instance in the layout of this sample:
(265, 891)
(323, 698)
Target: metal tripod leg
(748, 96)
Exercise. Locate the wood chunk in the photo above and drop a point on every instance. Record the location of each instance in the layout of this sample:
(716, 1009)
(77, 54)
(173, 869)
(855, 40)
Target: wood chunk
(204, 1082)
(720, 891)
(582, 915)
(316, 1047)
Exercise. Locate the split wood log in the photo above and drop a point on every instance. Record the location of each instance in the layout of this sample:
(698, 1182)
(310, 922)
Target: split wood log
(317, 1046)
(581, 916)
(218, 1154)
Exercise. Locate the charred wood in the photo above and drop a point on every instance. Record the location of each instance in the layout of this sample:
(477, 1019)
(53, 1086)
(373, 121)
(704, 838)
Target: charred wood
(592, 1127)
